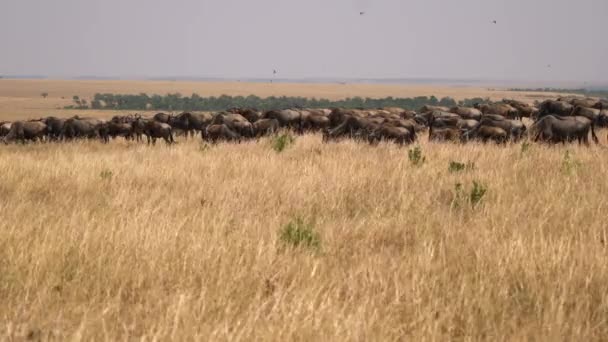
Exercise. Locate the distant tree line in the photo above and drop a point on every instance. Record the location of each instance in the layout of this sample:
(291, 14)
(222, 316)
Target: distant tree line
(195, 102)
(579, 91)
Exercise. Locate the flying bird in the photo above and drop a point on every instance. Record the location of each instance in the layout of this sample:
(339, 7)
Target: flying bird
(274, 72)
(361, 13)
(494, 21)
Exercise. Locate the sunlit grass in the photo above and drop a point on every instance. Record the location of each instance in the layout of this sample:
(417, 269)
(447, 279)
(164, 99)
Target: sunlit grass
(128, 241)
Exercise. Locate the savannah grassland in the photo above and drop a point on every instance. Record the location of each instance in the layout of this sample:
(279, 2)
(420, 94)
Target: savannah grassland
(125, 241)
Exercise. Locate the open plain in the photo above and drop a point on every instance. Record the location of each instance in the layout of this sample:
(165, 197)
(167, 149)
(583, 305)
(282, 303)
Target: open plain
(126, 241)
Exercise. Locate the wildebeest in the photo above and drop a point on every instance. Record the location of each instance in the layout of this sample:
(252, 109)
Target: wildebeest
(54, 127)
(288, 118)
(486, 133)
(398, 135)
(515, 129)
(266, 127)
(430, 109)
(236, 122)
(580, 101)
(191, 123)
(252, 115)
(312, 120)
(466, 124)
(442, 119)
(154, 130)
(77, 127)
(466, 112)
(114, 129)
(5, 127)
(220, 132)
(26, 130)
(558, 129)
(555, 108)
(162, 117)
(444, 129)
(353, 127)
(524, 110)
(501, 109)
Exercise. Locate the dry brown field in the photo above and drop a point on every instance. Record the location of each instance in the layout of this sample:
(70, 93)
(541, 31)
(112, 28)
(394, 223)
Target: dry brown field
(129, 242)
(21, 99)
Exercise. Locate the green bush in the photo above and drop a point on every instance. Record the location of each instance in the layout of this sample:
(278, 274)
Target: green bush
(525, 147)
(106, 174)
(299, 234)
(281, 142)
(458, 167)
(569, 164)
(415, 156)
(477, 193)
(472, 197)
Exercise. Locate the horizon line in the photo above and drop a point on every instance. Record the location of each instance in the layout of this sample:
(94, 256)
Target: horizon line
(320, 80)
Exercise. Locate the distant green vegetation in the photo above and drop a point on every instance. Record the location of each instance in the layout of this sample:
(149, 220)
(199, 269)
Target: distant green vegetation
(579, 91)
(198, 103)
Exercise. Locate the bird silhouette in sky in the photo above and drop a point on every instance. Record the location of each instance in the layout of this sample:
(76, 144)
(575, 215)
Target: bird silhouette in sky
(494, 22)
(361, 13)
(274, 72)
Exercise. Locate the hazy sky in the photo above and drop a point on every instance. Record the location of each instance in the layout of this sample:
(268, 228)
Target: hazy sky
(307, 38)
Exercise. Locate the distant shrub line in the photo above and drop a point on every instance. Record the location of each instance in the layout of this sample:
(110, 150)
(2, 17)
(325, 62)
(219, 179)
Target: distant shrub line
(195, 102)
(580, 91)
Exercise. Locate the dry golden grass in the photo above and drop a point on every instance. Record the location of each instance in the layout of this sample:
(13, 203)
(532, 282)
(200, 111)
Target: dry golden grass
(21, 99)
(125, 241)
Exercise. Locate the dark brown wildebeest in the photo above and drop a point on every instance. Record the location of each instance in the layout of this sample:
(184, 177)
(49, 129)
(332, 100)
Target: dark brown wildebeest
(485, 133)
(153, 130)
(252, 115)
(288, 118)
(555, 108)
(524, 110)
(191, 123)
(266, 127)
(466, 113)
(444, 133)
(78, 127)
(236, 123)
(466, 124)
(353, 127)
(398, 135)
(54, 127)
(162, 117)
(442, 119)
(501, 109)
(115, 129)
(312, 121)
(430, 109)
(220, 132)
(581, 101)
(558, 129)
(515, 129)
(26, 130)
(444, 128)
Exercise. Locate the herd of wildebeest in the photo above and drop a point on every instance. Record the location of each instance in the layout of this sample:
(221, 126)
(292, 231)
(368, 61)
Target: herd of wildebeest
(566, 119)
